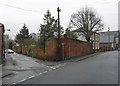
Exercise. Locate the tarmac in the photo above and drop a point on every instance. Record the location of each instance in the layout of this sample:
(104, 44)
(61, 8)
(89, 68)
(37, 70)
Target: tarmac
(11, 63)
(4, 73)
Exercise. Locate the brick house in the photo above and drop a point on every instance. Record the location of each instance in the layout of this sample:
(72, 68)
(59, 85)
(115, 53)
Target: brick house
(1, 43)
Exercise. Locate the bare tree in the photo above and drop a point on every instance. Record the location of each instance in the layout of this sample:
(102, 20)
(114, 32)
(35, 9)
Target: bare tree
(86, 22)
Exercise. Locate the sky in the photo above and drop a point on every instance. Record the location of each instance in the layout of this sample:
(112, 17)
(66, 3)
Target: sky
(14, 13)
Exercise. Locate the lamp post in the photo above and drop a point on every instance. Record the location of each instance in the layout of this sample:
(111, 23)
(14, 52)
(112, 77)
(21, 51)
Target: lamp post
(109, 38)
(94, 41)
(4, 42)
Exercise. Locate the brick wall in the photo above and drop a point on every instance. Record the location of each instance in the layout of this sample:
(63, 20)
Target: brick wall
(72, 49)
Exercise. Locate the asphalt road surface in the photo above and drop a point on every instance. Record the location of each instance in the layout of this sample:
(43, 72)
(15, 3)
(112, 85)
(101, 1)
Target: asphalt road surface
(21, 68)
(99, 69)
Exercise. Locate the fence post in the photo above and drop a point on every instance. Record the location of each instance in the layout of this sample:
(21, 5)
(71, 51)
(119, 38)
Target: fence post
(69, 50)
(62, 51)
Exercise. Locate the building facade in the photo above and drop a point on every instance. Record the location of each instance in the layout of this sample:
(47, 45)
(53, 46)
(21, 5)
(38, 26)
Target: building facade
(94, 39)
(108, 40)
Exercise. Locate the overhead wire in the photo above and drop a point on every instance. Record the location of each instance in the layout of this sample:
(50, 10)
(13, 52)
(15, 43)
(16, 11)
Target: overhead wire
(20, 8)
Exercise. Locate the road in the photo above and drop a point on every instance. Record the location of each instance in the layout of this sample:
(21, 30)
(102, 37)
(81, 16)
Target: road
(98, 69)
(21, 68)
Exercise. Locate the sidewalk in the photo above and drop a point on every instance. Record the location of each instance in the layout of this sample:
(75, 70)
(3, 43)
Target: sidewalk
(4, 73)
(53, 63)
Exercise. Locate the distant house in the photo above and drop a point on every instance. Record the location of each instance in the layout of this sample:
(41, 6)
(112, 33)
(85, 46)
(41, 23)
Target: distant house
(108, 40)
(35, 36)
(95, 39)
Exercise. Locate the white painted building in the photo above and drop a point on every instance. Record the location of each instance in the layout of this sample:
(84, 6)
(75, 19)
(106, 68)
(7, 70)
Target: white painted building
(95, 39)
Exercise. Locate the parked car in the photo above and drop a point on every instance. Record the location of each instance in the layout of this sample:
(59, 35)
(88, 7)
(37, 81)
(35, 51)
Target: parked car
(119, 49)
(9, 51)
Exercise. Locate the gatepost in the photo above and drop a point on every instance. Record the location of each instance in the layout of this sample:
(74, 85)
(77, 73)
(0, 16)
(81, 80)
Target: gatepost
(1, 43)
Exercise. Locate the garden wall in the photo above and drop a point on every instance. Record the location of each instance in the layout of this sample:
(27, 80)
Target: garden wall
(69, 48)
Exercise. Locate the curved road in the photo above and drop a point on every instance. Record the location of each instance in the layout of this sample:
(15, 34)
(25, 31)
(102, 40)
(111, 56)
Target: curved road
(99, 69)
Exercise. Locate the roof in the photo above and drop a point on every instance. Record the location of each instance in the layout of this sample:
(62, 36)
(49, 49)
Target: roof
(105, 39)
(104, 36)
(114, 33)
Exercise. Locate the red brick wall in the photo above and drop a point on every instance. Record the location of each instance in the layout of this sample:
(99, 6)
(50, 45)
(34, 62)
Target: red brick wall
(77, 48)
(51, 49)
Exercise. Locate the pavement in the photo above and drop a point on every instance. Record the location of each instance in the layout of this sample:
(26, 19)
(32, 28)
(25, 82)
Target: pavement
(7, 63)
(4, 73)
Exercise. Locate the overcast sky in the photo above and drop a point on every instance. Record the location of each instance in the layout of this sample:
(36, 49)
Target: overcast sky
(14, 13)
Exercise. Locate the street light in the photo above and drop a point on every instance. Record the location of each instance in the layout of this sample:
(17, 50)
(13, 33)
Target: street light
(4, 40)
(109, 38)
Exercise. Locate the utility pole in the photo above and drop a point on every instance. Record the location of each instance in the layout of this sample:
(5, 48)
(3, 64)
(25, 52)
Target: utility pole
(58, 33)
(94, 42)
(109, 38)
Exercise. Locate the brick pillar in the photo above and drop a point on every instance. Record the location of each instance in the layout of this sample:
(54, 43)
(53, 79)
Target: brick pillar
(1, 44)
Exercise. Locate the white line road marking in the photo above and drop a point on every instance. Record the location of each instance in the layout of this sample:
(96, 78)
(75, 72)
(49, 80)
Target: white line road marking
(13, 83)
(53, 68)
(22, 80)
(45, 72)
(31, 77)
(47, 66)
(34, 62)
(15, 72)
(39, 73)
(65, 63)
(50, 69)
(57, 66)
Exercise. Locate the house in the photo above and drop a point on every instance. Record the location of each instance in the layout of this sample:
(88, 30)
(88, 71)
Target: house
(2, 56)
(35, 36)
(94, 39)
(108, 40)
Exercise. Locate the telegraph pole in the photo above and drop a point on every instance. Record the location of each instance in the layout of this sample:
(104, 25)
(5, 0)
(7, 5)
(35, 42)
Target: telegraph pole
(58, 10)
